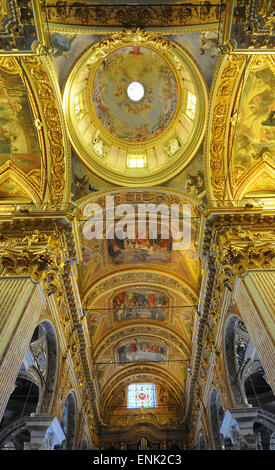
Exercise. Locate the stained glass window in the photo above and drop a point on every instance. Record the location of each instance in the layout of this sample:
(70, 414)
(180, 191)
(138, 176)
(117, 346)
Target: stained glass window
(141, 395)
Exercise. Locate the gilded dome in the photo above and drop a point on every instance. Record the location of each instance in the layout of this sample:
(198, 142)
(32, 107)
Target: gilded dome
(136, 105)
(147, 75)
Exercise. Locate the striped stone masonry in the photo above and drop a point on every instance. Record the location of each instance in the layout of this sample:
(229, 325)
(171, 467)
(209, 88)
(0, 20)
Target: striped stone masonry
(254, 301)
(21, 305)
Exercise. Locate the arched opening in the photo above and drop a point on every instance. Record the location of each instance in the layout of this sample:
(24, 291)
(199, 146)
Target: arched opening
(216, 414)
(48, 361)
(33, 388)
(258, 391)
(202, 442)
(68, 422)
(236, 341)
(22, 403)
(84, 445)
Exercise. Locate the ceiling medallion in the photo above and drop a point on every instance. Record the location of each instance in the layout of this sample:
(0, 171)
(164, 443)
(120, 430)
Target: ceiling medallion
(135, 105)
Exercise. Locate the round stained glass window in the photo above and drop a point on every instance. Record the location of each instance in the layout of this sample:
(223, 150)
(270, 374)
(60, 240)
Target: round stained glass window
(142, 397)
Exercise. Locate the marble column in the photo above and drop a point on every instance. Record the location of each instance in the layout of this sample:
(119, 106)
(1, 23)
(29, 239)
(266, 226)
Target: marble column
(254, 296)
(21, 305)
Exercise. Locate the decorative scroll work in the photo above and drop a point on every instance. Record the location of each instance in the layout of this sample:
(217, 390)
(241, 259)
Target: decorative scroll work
(17, 27)
(70, 13)
(253, 24)
(41, 263)
(53, 127)
(221, 107)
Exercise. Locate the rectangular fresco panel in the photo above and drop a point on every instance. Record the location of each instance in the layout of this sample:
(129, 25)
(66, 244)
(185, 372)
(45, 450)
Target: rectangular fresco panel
(18, 141)
(142, 349)
(255, 134)
(140, 304)
(140, 250)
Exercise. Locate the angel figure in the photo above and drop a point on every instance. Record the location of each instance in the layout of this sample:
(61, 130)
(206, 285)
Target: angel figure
(195, 183)
(209, 42)
(81, 187)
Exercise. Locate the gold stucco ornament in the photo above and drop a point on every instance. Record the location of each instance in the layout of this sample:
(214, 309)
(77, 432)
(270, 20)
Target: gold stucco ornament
(136, 140)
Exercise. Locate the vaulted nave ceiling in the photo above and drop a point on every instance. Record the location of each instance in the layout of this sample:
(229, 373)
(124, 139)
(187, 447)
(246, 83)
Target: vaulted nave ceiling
(200, 133)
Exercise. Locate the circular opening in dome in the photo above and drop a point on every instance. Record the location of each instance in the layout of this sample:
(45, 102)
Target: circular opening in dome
(135, 91)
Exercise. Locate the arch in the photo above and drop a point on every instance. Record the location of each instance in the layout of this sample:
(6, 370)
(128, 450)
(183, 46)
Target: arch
(140, 276)
(231, 362)
(51, 342)
(13, 436)
(84, 445)
(161, 332)
(245, 372)
(258, 391)
(142, 373)
(68, 421)
(216, 415)
(202, 445)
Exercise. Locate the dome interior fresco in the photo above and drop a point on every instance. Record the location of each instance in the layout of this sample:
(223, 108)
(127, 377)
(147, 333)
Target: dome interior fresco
(122, 117)
(103, 124)
(136, 141)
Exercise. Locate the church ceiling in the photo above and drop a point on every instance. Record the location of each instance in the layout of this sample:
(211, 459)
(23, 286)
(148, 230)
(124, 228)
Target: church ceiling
(201, 133)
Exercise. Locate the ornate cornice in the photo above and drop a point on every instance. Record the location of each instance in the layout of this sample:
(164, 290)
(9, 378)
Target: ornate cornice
(111, 15)
(17, 27)
(250, 25)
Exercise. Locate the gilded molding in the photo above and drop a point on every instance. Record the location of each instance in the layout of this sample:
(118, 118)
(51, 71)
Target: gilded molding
(231, 68)
(17, 27)
(181, 62)
(95, 15)
(58, 148)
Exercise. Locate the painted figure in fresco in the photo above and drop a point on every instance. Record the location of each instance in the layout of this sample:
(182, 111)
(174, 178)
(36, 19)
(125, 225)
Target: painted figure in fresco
(209, 43)
(140, 249)
(127, 305)
(142, 350)
(81, 187)
(18, 140)
(163, 395)
(120, 115)
(195, 183)
(62, 44)
(255, 133)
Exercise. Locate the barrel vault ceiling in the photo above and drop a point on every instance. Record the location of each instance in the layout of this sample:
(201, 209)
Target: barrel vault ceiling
(203, 132)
